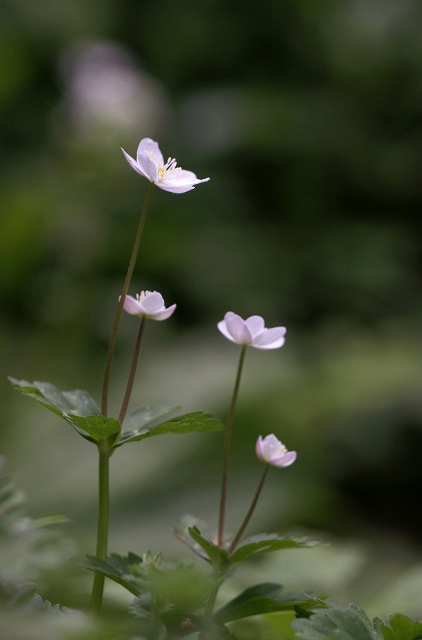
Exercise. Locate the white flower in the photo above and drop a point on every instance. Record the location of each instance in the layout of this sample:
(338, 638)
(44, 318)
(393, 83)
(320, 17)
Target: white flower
(148, 304)
(166, 175)
(251, 332)
(272, 451)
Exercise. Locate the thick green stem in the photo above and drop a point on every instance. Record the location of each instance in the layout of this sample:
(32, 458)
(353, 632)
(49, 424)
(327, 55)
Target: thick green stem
(250, 512)
(226, 454)
(116, 322)
(132, 372)
(102, 529)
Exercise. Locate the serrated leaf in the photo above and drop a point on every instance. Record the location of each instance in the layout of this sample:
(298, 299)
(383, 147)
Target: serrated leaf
(141, 421)
(99, 428)
(77, 401)
(262, 598)
(66, 404)
(216, 556)
(195, 421)
(114, 568)
(267, 543)
(401, 627)
(336, 623)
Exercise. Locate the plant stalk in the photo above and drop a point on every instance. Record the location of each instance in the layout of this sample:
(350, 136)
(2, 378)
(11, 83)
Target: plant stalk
(132, 372)
(102, 528)
(116, 322)
(250, 512)
(226, 454)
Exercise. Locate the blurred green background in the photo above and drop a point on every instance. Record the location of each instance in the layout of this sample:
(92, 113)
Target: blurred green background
(307, 116)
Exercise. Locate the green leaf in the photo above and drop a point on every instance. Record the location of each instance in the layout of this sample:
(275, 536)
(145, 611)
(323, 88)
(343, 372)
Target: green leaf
(77, 402)
(337, 623)
(209, 629)
(196, 421)
(141, 421)
(266, 543)
(259, 599)
(98, 428)
(216, 556)
(69, 405)
(114, 568)
(400, 627)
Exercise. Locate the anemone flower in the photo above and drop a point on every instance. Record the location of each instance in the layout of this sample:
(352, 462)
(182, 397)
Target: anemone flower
(251, 332)
(148, 304)
(166, 175)
(271, 451)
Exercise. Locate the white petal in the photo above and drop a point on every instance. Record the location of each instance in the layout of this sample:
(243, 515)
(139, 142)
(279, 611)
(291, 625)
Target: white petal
(271, 447)
(134, 164)
(183, 177)
(148, 147)
(180, 189)
(153, 303)
(270, 338)
(132, 306)
(237, 328)
(148, 168)
(284, 461)
(255, 325)
(165, 313)
(221, 326)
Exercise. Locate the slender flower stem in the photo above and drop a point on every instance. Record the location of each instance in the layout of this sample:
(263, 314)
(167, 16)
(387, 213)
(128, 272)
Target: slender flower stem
(132, 373)
(102, 530)
(226, 454)
(116, 322)
(250, 512)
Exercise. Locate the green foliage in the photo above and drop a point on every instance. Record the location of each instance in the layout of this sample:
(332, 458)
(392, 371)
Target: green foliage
(263, 598)
(80, 410)
(400, 627)
(252, 547)
(29, 546)
(186, 423)
(337, 623)
(77, 407)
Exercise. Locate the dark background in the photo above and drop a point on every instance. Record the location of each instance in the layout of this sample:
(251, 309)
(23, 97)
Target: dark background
(307, 116)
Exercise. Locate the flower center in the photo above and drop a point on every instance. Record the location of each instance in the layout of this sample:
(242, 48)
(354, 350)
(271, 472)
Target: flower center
(170, 170)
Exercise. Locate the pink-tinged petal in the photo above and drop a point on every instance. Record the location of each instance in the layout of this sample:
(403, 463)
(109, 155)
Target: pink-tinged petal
(237, 328)
(271, 447)
(132, 306)
(258, 449)
(270, 338)
(255, 325)
(166, 313)
(271, 451)
(148, 147)
(222, 327)
(134, 165)
(153, 303)
(284, 461)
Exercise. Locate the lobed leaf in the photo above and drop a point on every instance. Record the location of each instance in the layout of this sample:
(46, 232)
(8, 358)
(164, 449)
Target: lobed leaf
(262, 598)
(215, 555)
(141, 420)
(69, 405)
(336, 623)
(195, 421)
(97, 429)
(401, 627)
(266, 543)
